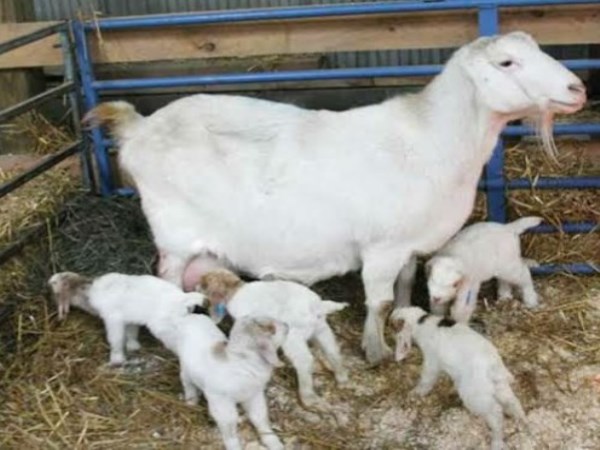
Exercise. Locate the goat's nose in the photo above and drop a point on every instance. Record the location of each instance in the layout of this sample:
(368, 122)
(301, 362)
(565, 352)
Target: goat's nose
(577, 88)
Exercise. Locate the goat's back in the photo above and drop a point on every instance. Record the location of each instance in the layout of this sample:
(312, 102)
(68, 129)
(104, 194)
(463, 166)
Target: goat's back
(134, 298)
(289, 302)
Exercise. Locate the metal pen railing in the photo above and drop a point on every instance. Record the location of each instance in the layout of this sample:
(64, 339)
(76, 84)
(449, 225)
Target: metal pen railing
(68, 87)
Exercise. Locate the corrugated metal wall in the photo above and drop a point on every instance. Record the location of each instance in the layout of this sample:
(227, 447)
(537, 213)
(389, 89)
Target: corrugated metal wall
(66, 9)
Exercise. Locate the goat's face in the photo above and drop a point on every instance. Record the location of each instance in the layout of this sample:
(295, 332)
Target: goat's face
(445, 275)
(219, 285)
(66, 289)
(513, 76)
(263, 334)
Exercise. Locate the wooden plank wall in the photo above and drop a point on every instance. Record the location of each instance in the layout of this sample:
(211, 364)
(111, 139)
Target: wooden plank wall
(16, 84)
(549, 25)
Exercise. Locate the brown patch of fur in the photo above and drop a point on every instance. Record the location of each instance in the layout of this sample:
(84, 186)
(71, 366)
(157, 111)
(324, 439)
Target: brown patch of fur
(268, 328)
(219, 285)
(220, 350)
(113, 115)
(396, 323)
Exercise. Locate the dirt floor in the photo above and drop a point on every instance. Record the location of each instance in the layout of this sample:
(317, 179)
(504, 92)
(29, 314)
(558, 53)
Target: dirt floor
(57, 392)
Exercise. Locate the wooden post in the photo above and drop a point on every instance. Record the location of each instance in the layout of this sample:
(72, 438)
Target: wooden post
(17, 85)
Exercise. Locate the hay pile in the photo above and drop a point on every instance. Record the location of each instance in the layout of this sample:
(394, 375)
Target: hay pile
(41, 198)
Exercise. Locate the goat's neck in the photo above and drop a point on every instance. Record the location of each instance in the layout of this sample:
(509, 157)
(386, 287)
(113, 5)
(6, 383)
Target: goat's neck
(464, 129)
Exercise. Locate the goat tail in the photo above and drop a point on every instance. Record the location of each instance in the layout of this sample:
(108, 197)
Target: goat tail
(326, 307)
(524, 223)
(116, 116)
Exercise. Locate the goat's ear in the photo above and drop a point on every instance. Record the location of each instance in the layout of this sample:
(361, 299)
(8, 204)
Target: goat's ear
(268, 351)
(264, 334)
(202, 283)
(63, 306)
(396, 322)
(427, 267)
(460, 282)
(403, 341)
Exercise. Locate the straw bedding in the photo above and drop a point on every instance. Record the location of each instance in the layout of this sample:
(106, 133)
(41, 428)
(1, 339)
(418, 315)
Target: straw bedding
(56, 391)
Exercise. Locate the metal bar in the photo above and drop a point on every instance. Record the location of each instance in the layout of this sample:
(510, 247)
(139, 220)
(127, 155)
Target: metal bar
(576, 268)
(32, 102)
(70, 75)
(494, 169)
(270, 77)
(126, 192)
(39, 168)
(86, 73)
(265, 77)
(566, 227)
(31, 37)
(572, 128)
(265, 14)
(556, 183)
(581, 64)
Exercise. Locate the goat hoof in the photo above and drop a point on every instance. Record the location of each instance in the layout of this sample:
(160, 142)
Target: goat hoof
(132, 346)
(532, 304)
(116, 361)
(419, 392)
(376, 355)
(342, 380)
(272, 442)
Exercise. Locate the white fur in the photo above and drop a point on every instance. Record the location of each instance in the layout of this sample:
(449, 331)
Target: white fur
(306, 315)
(237, 372)
(304, 195)
(124, 302)
(476, 254)
(473, 363)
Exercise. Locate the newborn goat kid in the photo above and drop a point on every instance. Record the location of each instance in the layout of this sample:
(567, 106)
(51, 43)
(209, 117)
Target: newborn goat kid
(124, 302)
(473, 363)
(476, 254)
(229, 371)
(292, 303)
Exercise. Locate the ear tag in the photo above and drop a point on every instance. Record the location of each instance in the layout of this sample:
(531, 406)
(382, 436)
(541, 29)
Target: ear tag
(220, 310)
(468, 297)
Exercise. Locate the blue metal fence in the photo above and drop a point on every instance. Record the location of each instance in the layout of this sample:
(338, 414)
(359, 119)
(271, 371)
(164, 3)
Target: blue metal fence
(493, 182)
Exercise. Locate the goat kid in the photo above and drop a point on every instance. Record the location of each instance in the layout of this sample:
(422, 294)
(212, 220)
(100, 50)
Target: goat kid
(124, 302)
(231, 371)
(471, 361)
(476, 254)
(385, 181)
(295, 305)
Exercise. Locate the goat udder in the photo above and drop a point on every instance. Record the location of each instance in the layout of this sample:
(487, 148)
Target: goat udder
(197, 267)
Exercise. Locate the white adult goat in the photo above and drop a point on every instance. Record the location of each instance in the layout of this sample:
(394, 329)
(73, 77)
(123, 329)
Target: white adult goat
(273, 189)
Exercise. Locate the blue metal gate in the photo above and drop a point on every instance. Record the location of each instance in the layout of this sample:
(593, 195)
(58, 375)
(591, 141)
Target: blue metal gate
(493, 182)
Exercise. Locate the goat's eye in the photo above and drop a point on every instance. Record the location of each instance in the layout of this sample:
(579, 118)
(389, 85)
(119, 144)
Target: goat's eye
(506, 63)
